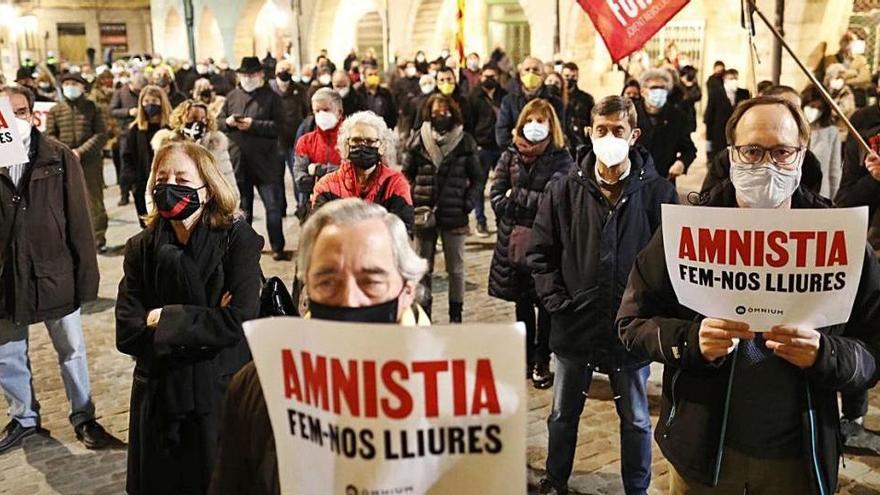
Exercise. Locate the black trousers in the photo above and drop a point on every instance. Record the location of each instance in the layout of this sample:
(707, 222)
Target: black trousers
(537, 331)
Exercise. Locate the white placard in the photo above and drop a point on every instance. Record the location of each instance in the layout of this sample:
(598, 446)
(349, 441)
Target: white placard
(766, 266)
(366, 408)
(12, 150)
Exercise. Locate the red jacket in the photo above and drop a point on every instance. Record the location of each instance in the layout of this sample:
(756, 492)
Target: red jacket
(318, 147)
(385, 187)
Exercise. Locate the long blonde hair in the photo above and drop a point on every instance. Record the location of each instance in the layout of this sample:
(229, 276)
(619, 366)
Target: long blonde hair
(178, 116)
(543, 108)
(221, 207)
(141, 121)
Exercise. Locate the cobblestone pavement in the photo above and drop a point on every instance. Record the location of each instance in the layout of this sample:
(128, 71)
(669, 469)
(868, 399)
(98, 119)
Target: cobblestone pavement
(59, 464)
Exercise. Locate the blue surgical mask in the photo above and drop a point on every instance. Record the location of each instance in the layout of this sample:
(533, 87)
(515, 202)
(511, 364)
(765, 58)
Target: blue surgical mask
(71, 92)
(657, 97)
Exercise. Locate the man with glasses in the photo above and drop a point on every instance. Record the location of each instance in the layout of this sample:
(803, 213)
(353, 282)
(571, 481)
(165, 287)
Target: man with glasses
(47, 273)
(743, 410)
(531, 86)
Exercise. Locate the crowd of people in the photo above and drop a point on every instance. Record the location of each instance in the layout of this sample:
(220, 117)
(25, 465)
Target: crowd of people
(387, 164)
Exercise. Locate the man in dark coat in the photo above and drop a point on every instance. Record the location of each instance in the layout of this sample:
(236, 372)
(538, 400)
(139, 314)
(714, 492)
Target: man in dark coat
(253, 117)
(578, 110)
(49, 269)
(733, 399)
(483, 106)
(296, 108)
(590, 227)
(376, 98)
(719, 108)
(664, 128)
(531, 74)
(123, 107)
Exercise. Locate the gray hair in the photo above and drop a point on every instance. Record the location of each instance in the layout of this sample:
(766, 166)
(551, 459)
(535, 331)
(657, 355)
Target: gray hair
(368, 118)
(353, 210)
(327, 94)
(653, 75)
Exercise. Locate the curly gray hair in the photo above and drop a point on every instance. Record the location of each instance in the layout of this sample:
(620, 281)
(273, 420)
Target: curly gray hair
(655, 74)
(352, 210)
(367, 118)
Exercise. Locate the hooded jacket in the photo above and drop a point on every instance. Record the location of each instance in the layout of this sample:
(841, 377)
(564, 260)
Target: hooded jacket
(581, 252)
(694, 404)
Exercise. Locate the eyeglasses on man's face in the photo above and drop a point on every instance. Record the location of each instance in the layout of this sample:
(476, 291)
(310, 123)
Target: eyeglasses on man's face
(781, 155)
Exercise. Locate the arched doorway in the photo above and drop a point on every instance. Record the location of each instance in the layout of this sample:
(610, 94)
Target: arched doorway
(371, 37)
(175, 35)
(262, 27)
(210, 39)
(508, 27)
(424, 28)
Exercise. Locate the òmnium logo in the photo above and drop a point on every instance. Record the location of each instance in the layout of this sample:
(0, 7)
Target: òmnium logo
(741, 310)
(353, 490)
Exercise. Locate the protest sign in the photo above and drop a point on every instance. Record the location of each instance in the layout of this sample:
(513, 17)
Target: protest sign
(12, 150)
(368, 408)
(766, 267)
(41, 113)
(626, 25)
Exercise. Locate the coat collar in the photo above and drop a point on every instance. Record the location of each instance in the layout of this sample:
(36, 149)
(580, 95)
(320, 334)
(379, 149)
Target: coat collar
(641, 170)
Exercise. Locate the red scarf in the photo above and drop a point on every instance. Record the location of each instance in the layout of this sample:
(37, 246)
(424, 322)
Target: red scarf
(530, 151)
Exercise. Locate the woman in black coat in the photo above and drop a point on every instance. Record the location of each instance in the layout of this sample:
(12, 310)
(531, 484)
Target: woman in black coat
(190, 279)
(443, 169)
(536, 156)
(153, 112)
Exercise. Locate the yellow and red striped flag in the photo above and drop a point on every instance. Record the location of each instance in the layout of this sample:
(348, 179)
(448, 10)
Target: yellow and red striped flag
(459, 34)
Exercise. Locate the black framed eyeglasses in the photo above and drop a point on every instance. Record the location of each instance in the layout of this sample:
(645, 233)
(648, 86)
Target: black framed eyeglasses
(754, 154)
(362, 141)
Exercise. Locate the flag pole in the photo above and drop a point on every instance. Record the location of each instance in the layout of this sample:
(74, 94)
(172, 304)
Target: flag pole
(827, 97)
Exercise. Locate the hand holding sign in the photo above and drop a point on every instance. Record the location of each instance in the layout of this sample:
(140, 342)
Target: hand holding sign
(872, 162)
(718, 338)
(798, 346)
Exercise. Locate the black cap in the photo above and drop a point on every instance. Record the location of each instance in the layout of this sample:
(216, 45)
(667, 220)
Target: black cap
(74, 77)
(24, 73)
(249, 65)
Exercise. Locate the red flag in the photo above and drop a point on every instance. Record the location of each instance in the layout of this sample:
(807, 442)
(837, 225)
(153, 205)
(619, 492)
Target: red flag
(626, 25)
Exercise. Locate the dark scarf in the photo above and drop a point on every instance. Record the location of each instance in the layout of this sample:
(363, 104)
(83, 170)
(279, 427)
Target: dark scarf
(530, 151)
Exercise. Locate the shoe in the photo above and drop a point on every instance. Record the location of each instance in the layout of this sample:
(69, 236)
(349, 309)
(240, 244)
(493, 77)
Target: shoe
(279, 256)
(101, 248)
(123, 201)
(855, 436)
(542, 378)
(455, 311)
(92, 435)
(546, 487)
(14, 434)
(482, 230)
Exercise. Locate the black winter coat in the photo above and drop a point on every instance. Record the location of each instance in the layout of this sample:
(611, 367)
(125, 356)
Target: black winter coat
(512, 105)
(452, 187)
(482, 114)
(137, 157)
(527, 185)
(381, 103)
(259, 163)
(669, 140)
(47, 249)
(718, 111)
(184, 365)
(582, 250)
(858, 187)
(693, 410)
(577, 118)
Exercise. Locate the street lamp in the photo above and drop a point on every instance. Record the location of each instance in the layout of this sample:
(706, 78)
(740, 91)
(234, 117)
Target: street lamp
(189, 15)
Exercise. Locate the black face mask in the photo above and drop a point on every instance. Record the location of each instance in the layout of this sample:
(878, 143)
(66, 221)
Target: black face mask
(284, 76)
(364, 157)
(489, 84)
(152, 110)
(442, 123)
(176, 202)
(385, 312)
(164, 82)
(553, 90)
(206, 95)
(572, 84)
(195, 130)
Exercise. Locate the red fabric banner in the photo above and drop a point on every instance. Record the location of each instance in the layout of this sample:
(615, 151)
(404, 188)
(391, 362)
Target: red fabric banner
(626, 25)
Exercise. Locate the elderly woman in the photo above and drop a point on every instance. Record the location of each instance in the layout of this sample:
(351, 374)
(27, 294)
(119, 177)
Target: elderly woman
(192, 120)
(337, 245)
(190, 279)
(364, 143)
(152, 114)
(316, 152)
(536, 156)
(442, 164)
(203, 91)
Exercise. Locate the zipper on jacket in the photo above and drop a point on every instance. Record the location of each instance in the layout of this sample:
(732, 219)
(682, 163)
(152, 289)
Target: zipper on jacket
(720, 454)
(672, 410)
(813, 457)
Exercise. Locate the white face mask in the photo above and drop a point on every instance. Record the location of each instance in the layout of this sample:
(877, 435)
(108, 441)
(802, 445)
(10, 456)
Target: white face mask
(24, 130)
(764, 185)
(343, 92)
(427, 88)
(837, 84)
(610, 150)
(250, 83)
(858, 47)
(410, 72)
(326, 120)
(325, 79)
(730, 85)
(812, 114)
(536, 131)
